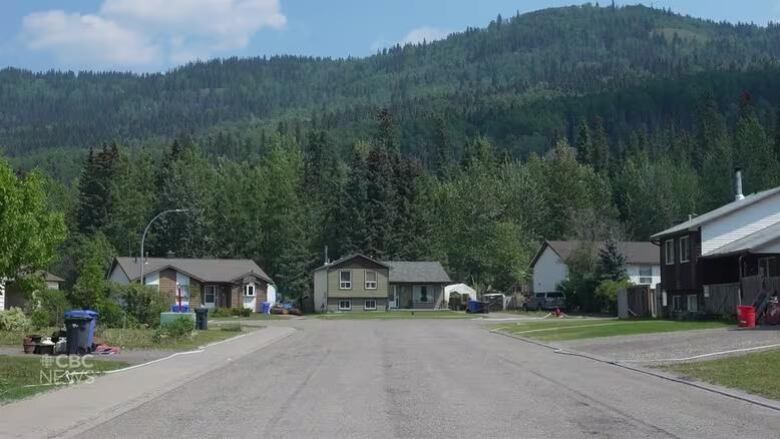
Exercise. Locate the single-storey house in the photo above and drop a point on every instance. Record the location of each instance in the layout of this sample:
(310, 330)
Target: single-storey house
(726, 257)
(357, 282)
(550, 264)
(213, 283)
(12, 297)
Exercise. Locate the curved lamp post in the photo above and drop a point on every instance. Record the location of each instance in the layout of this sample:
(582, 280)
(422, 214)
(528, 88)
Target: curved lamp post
(143, 238)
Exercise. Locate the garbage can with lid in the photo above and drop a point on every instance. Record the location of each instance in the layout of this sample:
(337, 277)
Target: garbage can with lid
(266, 307)
(80, 331)
(201, 319)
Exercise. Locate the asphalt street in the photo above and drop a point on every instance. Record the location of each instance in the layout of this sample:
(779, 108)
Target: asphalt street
(430, 378)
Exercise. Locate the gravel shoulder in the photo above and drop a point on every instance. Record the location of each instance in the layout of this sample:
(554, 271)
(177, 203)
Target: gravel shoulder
(674, 345)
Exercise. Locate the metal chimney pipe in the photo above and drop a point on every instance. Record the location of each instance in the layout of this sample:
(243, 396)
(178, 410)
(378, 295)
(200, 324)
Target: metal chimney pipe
(738, 184)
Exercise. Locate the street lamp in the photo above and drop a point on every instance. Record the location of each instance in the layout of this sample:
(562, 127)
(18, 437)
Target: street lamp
(143, 238)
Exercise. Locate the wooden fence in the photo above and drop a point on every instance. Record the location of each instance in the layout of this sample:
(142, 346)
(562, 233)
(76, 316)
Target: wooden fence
(725, 298)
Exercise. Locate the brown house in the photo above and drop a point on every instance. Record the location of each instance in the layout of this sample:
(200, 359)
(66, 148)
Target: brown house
(213, 283)
(726, 257)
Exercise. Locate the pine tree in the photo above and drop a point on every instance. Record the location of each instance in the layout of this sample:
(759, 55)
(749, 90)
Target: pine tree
(612, 263)
(754, 153)
(350, 212)
(583, 143)
(94, 202)
(598, 157)
(382, 204)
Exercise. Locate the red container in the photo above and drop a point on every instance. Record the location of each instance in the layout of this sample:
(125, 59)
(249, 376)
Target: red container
(746, 316)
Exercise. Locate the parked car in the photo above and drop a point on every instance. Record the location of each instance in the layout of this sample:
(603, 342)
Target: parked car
(545, 301)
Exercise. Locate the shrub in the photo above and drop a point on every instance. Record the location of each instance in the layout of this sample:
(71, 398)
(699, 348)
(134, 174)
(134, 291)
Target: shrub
(53, 304)
(221, 312)
(242, 312)
(111, 314)
(232, 327)
(179, 328)
(142, 304)
(39, 318)
(14, 320)
(606, 294)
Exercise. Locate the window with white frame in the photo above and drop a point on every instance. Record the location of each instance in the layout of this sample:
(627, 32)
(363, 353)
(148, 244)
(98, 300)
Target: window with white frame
(371, 281)
(345, 280)
(210, 294)
(685, 249)
(345, 305)
(693, 303)
(249, 290)
(645, 274)
(669, 251)
(369, 305)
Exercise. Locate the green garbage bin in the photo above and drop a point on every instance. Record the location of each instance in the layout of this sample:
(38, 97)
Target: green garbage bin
(201, 319)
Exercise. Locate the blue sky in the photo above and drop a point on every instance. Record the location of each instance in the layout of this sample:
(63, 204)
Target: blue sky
(155, 35)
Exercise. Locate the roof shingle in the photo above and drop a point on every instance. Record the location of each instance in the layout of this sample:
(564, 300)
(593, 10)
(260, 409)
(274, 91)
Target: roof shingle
(205, 270)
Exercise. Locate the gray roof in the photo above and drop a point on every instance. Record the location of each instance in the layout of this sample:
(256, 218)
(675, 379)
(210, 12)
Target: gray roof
(642, 252)
(417, 271)
(748, 243)
(341, 260)
(49, 277)
(726, 209)
(203, 270)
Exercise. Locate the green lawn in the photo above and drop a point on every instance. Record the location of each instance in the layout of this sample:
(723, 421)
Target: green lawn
(751, 372)
(384, 315)
(562, 329)
(18, 372)
(143, 338)
(134, 338)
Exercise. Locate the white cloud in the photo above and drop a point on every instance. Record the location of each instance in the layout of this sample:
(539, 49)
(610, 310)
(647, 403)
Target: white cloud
(425, 33)
(149, 33)
(415, 36)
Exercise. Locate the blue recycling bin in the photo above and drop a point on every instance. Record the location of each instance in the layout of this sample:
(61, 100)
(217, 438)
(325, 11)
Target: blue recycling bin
(266, 307)
(80, 330)
(475, 306)
(182, 308)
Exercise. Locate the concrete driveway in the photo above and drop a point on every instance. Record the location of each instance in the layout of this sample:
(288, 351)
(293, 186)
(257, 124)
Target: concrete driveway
(655, 348)
(429, 378)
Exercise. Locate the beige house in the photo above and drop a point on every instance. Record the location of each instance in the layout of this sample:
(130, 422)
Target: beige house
(359, 283)
(213, 283)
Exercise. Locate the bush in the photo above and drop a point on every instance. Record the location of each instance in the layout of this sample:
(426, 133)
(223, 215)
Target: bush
(179, 328)
(142, 304)
(53, 304)
(39, 318)
(231, 312)
(231, 327)
(14, 320)
(220, 312)
(606, 294)
(111, 314)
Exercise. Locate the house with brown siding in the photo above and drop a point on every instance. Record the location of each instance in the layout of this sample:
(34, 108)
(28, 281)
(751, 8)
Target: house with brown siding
(360, 283)
(725, 257)
(213, 283)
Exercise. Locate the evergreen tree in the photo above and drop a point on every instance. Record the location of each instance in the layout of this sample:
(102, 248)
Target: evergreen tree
(612, 263)
(94, 204)
(382, 200)
(598, 156)
(583, 143)
(350, 211)
(754, 153)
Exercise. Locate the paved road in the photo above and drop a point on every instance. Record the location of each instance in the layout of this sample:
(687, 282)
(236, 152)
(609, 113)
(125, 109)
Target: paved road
(439, 379)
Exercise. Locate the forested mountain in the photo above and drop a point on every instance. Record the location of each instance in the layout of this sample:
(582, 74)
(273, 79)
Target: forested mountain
(541, 55)
(580, 122)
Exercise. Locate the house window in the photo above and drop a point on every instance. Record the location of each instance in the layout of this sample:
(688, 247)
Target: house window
(370, 305)
(645, 274)
(423, 294)
(209, 294)
(371, 280)
(693, 303)
(345, 305)
(669, 252)
(677, 303)
(249, 290)
(345, 280)
(767, 266)
(685, 249)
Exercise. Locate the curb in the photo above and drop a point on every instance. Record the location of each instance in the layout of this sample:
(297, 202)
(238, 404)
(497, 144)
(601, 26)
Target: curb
(745, 397)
